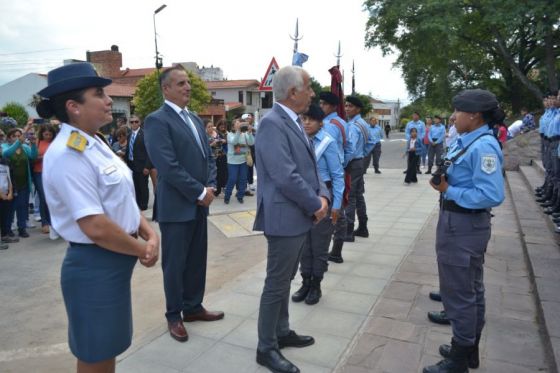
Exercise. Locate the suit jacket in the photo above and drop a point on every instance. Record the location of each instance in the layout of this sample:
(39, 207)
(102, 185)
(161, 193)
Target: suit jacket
(183, 172)
(289, 183)
(140, 158)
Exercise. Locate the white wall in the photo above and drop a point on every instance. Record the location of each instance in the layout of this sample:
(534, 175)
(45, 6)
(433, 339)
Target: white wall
(21, 90)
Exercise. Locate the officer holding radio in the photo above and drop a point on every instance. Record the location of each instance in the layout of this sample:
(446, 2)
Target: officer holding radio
(471, 183)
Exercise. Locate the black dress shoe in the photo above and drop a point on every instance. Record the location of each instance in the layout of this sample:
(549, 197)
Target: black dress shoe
(294, 340)
(335, 258)
(275, 362)
(435, 295)
(547, 204)
(556, 214)
(438, 317)
(541, 200)
(377, 171)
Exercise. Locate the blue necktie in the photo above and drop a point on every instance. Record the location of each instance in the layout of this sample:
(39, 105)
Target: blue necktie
(191, 125)
(131, 146)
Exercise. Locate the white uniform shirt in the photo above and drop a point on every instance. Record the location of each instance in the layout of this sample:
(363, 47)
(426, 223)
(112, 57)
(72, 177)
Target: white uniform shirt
(93, 182)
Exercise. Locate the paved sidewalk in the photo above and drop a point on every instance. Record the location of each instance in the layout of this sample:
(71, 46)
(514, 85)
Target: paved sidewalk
(397, 215)
(372, 317)
(397, 336)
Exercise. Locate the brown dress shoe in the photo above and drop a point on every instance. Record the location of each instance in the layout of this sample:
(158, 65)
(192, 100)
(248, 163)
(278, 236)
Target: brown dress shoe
(177, 331)
(204, 315)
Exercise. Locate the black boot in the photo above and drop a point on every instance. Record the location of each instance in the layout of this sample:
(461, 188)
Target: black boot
(302, 292)
(349, 233)
(336, 252)
(435, 295)
(473, 360)
(314, 291)
(362, 230)
(455, 363)
(429, 172)
(438, 317)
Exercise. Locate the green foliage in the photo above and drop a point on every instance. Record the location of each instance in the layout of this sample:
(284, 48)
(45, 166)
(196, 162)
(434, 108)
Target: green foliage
(316, 86)
(148, 97)
(16, 111)
(200, 97)
(444, 46)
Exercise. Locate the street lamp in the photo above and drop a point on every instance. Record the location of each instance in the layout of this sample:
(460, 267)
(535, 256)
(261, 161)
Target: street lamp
(159, 61)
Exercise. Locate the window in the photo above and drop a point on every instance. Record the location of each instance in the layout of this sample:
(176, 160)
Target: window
(266, 100)
(249, 98)
(213, 93)
(241, 96)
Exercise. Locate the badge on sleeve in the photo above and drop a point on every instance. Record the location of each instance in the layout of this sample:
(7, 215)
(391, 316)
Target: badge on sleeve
(77, 142)
(489, 163)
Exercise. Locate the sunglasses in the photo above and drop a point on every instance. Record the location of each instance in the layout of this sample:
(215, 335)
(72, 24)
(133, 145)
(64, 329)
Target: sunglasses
(134, 121)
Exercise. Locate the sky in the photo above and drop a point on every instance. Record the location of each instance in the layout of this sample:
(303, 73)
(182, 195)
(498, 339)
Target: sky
(241, 37)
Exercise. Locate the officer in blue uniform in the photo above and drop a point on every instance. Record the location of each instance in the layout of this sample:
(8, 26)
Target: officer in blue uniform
(473, 185)
(551, 136)
(375, 135)
(313, 262)
(335, 126)
(420, 132)
(436, 136)
(355, 166)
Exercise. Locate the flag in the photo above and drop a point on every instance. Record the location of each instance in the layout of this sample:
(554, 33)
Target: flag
(336, 88)
(299, 59)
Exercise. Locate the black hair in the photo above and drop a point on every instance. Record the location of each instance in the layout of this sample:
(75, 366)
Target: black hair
(413, 129)
(56, 106)
(494, 116)
(165, 74)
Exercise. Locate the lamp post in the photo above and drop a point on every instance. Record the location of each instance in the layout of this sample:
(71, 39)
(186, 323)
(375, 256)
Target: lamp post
(159, 62)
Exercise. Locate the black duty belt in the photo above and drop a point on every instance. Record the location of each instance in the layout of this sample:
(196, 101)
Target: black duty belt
(542, 135)
(449, 205)
(554, 138)
(328, 184)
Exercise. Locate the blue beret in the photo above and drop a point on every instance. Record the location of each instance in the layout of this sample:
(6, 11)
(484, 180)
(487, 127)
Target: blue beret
(475, 101)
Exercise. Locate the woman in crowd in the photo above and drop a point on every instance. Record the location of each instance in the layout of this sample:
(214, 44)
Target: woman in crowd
(20, 150)
(238, 140)
(472, 186)
(45, 136)
(90, 193)
(426, 142)
(119, 146)
(221, 158)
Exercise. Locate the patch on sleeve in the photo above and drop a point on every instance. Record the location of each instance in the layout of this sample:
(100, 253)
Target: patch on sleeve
(489, 163)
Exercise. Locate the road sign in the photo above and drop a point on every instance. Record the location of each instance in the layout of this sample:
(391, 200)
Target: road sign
(266, 84)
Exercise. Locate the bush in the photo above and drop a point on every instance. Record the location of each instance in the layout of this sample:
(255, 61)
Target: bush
(16, 111)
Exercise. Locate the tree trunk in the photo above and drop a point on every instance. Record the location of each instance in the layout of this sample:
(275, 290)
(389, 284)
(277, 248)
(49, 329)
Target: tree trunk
(549, 58)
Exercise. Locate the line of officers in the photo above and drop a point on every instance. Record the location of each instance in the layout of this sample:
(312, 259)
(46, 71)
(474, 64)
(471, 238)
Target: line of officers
(548, 195)
(344, 150)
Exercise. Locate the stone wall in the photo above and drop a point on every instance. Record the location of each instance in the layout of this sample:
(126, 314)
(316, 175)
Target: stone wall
(521, 150)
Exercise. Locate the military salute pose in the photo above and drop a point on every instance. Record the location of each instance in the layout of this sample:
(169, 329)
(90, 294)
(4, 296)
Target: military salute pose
(90, 194)
(470, 187)
(358, 129)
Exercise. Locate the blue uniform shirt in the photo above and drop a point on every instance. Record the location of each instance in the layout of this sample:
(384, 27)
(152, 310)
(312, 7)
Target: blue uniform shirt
(554, 123)
(375, 133)
(333, 130)
(475, 179)
(437, 131)
(358, 128)
(420, 129)
(550, 123)
(329, 165)
(544, 120)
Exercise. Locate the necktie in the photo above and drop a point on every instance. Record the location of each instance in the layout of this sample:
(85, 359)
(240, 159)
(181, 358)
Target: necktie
(192, 127)
(131, 146)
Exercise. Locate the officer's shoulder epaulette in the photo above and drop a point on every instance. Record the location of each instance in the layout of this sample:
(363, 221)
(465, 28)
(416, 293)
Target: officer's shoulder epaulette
(77, 142)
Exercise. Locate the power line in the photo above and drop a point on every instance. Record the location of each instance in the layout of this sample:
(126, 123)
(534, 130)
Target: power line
(36, 51)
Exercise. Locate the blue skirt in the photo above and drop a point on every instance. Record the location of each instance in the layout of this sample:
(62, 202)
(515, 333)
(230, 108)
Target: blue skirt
(96, 289)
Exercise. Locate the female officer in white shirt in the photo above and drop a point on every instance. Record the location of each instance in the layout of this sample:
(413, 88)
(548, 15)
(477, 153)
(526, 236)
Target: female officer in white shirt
(90, 194)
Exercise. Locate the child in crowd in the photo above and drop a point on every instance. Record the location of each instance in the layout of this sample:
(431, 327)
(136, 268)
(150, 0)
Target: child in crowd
(413, 149)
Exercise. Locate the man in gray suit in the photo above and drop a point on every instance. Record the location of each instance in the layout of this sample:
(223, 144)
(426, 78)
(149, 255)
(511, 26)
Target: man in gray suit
(176, 143)
(290, 198)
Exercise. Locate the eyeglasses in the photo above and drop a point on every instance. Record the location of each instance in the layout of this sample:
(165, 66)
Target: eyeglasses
(134, 121)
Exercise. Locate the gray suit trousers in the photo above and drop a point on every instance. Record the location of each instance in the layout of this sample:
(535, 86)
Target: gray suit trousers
(282, 264)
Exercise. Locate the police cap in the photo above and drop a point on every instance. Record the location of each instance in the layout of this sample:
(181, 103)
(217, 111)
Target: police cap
(355, 101)
(329, 98)
(475, 101)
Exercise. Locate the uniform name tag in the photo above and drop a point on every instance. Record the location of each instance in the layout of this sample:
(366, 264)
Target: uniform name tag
(109, 170)
(489, 163)
(77, 142)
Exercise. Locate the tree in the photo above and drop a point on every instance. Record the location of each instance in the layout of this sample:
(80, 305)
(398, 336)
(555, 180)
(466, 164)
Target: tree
(507, 46)
(16, 111)
(148, 97)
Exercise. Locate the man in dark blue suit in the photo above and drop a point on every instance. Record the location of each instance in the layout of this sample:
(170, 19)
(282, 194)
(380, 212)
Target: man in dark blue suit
(290, 198)
(176, 142)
